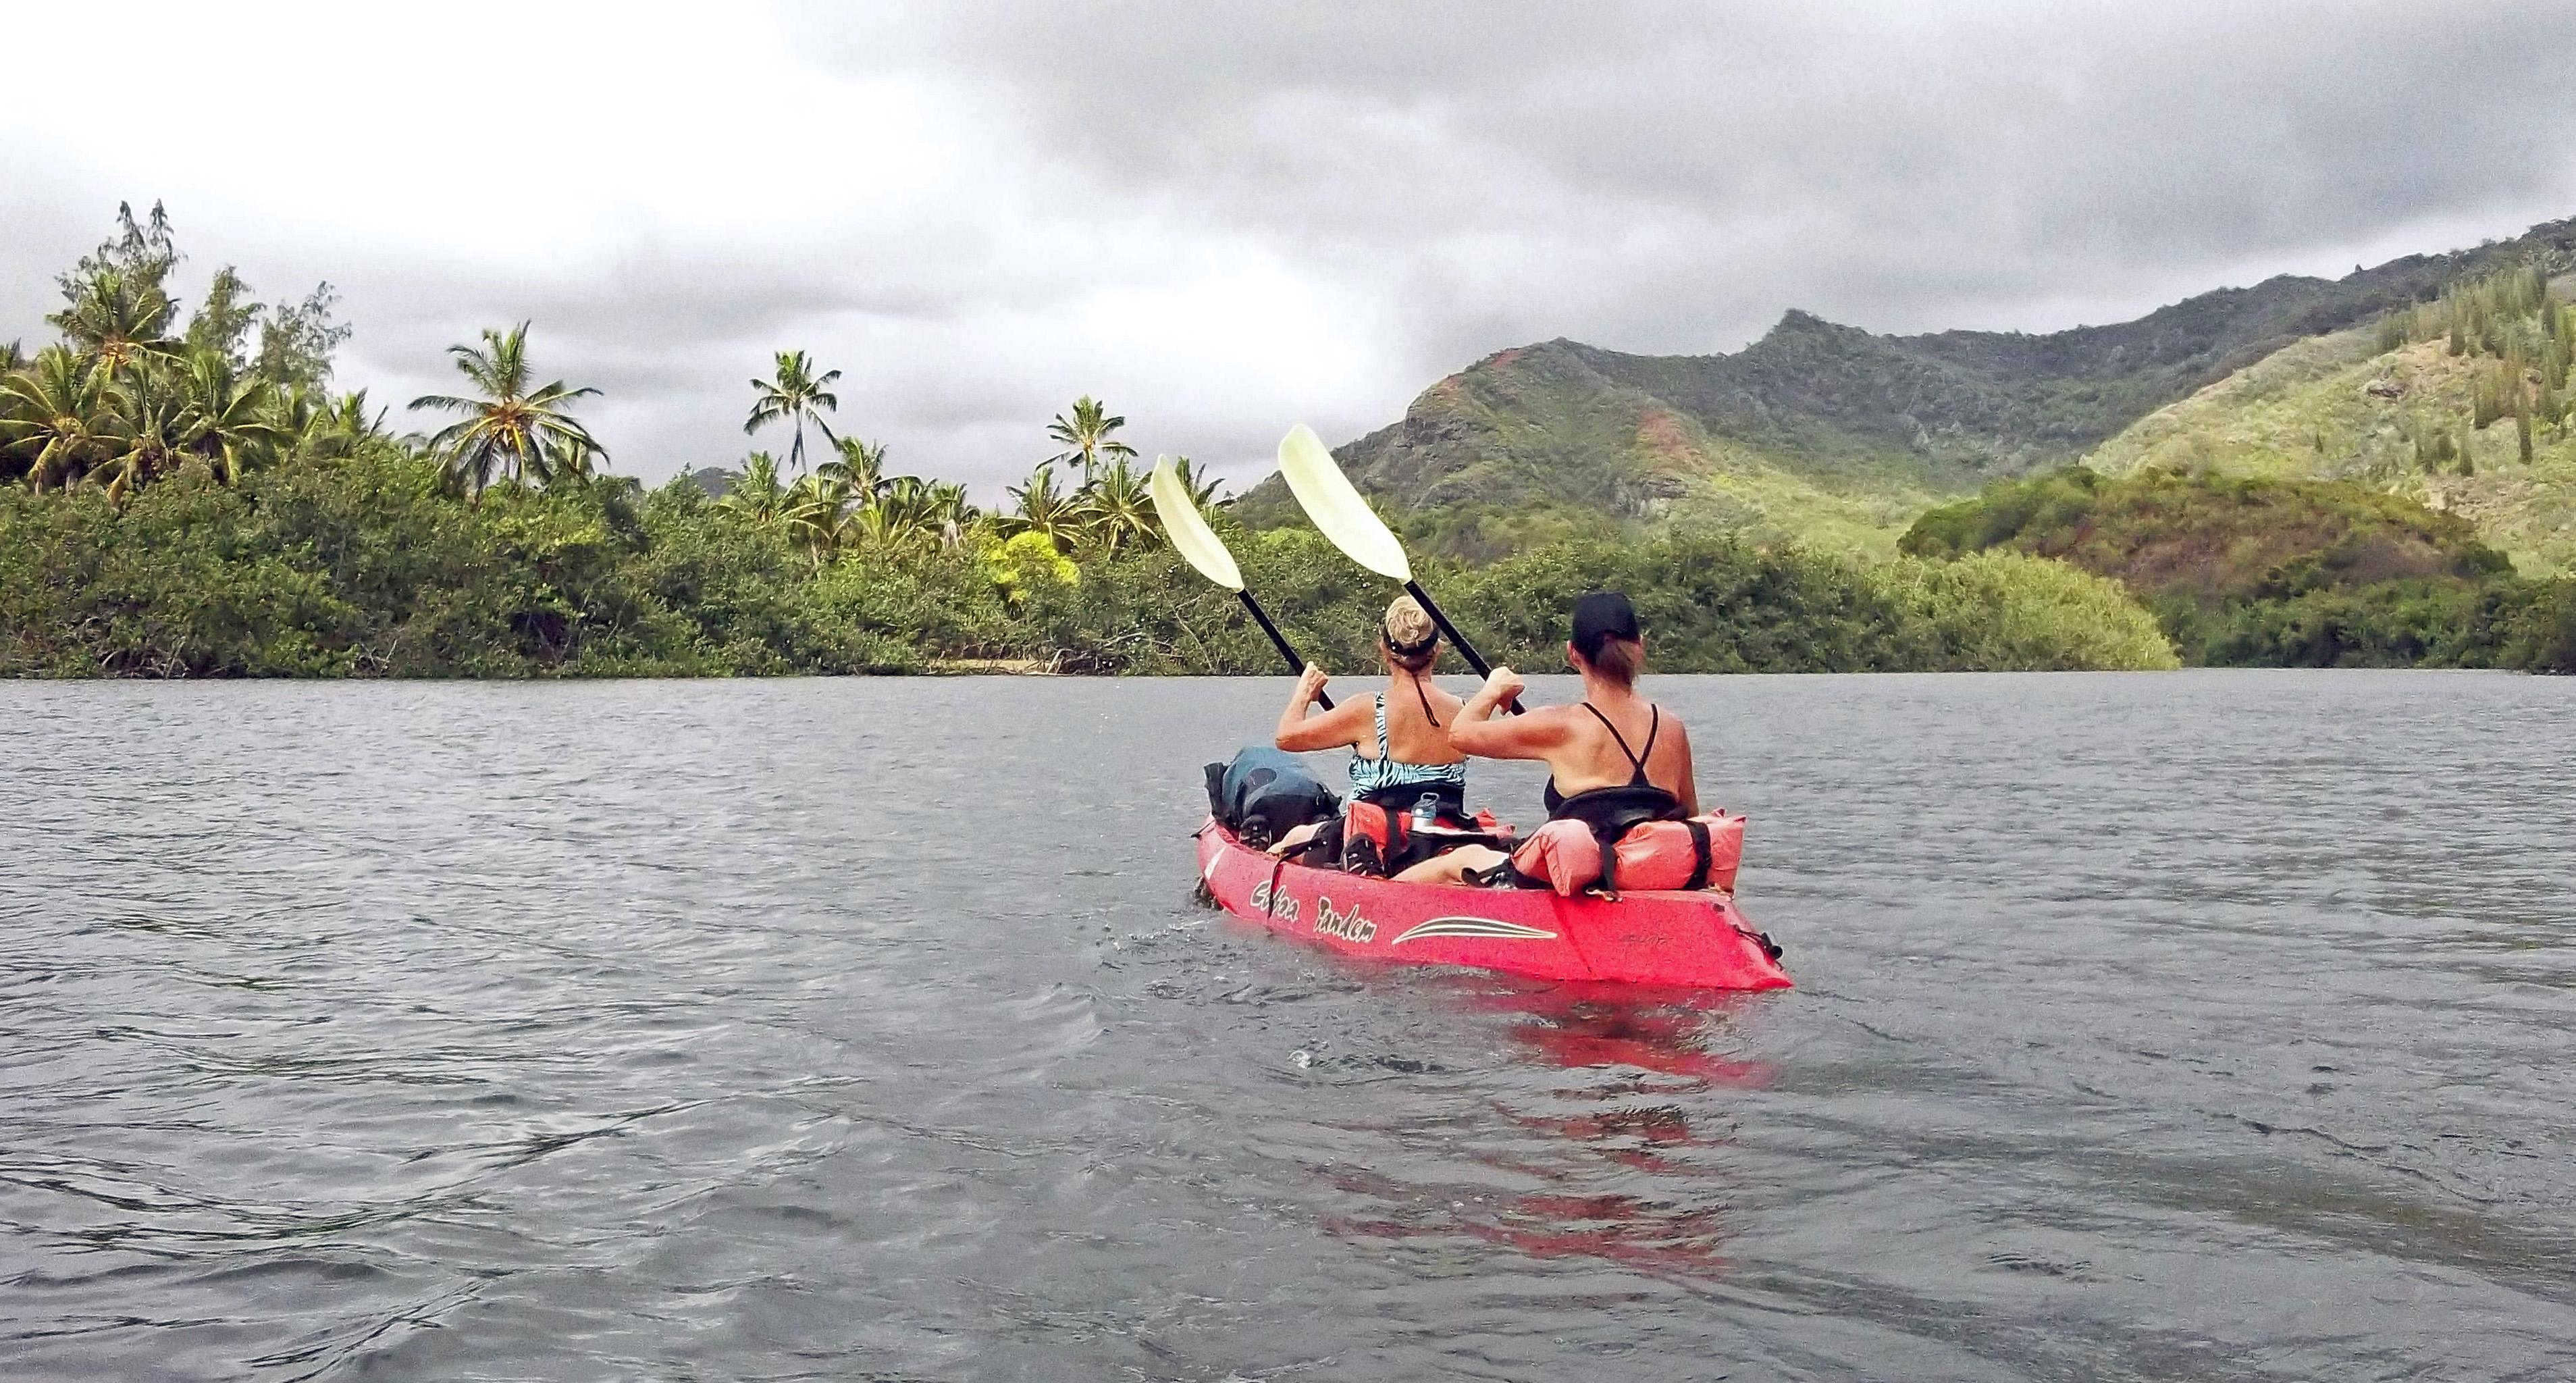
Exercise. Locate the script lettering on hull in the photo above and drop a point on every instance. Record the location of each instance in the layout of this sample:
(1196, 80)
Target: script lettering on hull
(1348, 925)
(1276, 903)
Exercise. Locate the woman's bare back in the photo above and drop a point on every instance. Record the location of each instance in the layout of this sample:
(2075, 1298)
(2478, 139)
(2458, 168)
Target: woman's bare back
(1410, 734)
(1589, 755)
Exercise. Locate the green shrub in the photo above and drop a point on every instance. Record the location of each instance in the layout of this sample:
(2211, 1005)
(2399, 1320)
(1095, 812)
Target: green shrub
(2254, 571)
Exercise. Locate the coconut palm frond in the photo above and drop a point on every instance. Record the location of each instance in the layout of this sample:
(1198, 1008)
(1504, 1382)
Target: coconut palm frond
(1088, 436)
(1116, 509)
(60, 420)
(508, 430)
(797, 395)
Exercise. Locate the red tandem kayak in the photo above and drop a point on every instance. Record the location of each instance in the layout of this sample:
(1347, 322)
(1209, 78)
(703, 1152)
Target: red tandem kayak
(1694, 940)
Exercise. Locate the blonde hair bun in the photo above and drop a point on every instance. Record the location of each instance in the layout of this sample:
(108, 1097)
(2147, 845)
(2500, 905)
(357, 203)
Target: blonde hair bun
(1408, 626)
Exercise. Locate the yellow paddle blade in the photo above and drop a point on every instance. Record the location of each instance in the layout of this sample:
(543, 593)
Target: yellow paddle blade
(1335, 508)
(1188, 529)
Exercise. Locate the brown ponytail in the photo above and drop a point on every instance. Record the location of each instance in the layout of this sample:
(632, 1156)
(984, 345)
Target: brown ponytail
(1618, 660)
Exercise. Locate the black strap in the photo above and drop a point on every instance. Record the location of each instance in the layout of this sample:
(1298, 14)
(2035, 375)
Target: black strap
(1326, 840)
(1636, 760)
(1699, 853)
(1425, 698)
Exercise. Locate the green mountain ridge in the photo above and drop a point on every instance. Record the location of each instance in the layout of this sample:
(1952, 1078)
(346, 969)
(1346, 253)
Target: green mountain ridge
(2404, 421)
(1827, 434)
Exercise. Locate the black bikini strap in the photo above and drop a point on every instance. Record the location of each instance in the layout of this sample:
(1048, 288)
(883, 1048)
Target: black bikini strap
(1636, 761)
(1426, 703)
(1633, 761)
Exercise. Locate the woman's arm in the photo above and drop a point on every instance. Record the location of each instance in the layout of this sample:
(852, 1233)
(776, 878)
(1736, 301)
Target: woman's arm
(1299, 732)
(1480, 732)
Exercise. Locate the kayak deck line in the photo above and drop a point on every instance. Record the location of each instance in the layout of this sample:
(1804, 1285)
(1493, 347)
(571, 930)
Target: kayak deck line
(1694, 939)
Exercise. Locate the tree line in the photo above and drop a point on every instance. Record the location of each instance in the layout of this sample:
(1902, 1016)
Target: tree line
(194, 500)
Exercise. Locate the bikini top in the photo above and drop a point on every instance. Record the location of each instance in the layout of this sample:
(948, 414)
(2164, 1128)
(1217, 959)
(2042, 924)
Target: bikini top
(1610, 811)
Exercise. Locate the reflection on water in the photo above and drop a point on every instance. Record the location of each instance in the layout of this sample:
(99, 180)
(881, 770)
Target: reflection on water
(2180, 1027)
(1633, 1058)
(1678, 1034)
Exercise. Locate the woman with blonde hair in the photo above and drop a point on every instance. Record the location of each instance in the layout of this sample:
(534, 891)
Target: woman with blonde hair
(1399, 748)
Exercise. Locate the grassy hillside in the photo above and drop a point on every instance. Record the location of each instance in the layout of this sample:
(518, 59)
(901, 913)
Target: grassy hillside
(2395, 407)
(2256, 570)
(1539, 443)
(1826, 433)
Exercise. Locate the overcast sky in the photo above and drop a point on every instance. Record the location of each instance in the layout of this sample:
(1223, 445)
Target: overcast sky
(1224, 219)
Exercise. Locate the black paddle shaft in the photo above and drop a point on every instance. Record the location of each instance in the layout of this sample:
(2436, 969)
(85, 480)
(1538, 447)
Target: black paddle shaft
(1466, 650)
(1280, 641)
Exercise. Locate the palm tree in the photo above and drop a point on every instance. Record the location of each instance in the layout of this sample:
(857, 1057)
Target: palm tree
(13, 357)
(120, 317)
(228, 421)
(62, 420)
(905, 516)
(948, 505)
(1087, 437)
(1041, 508)
(1200, 484)
(817, 511)
(797, 393)
(1116, 508)
(511, 430)
(151, 406)
(756, 494)
(320, 428)
(860, 465)
(349, 415)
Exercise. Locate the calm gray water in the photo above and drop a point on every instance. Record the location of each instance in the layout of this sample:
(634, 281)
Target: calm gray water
(2194, 1026)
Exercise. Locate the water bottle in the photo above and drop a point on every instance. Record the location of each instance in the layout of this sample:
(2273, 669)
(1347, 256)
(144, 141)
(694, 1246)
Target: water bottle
(1426, 813)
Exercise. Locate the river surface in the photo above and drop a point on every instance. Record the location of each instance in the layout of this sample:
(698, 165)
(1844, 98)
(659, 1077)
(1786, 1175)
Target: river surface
(2182, 1026)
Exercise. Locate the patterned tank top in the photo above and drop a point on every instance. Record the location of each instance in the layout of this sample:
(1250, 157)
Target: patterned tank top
(1369, 777)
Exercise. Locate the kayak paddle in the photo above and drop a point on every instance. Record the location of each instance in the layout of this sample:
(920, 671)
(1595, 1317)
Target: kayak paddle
(1201, 548)
(1341, 515)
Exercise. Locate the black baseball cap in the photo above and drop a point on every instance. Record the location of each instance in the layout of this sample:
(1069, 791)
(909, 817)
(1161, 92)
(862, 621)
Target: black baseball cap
(1600, 617)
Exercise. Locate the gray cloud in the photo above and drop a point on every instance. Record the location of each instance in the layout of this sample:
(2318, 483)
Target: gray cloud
(1226, 219)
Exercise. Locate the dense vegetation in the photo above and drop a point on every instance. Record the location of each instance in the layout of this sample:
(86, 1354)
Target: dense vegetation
(1836, 436)
(192, 505)
(2462, 403)
(2254, 570)
(368, 565)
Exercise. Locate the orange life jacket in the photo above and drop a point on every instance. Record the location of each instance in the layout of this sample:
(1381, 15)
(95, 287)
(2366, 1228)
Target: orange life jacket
(1698, 852)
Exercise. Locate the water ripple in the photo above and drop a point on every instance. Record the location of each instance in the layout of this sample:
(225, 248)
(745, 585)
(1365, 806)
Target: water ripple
(2178, 1027)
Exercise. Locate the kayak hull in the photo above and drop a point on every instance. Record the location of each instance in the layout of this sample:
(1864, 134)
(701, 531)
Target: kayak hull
(1691, 940)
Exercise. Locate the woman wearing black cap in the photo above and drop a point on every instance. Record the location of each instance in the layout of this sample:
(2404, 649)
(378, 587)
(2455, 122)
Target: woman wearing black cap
(1614, 759)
